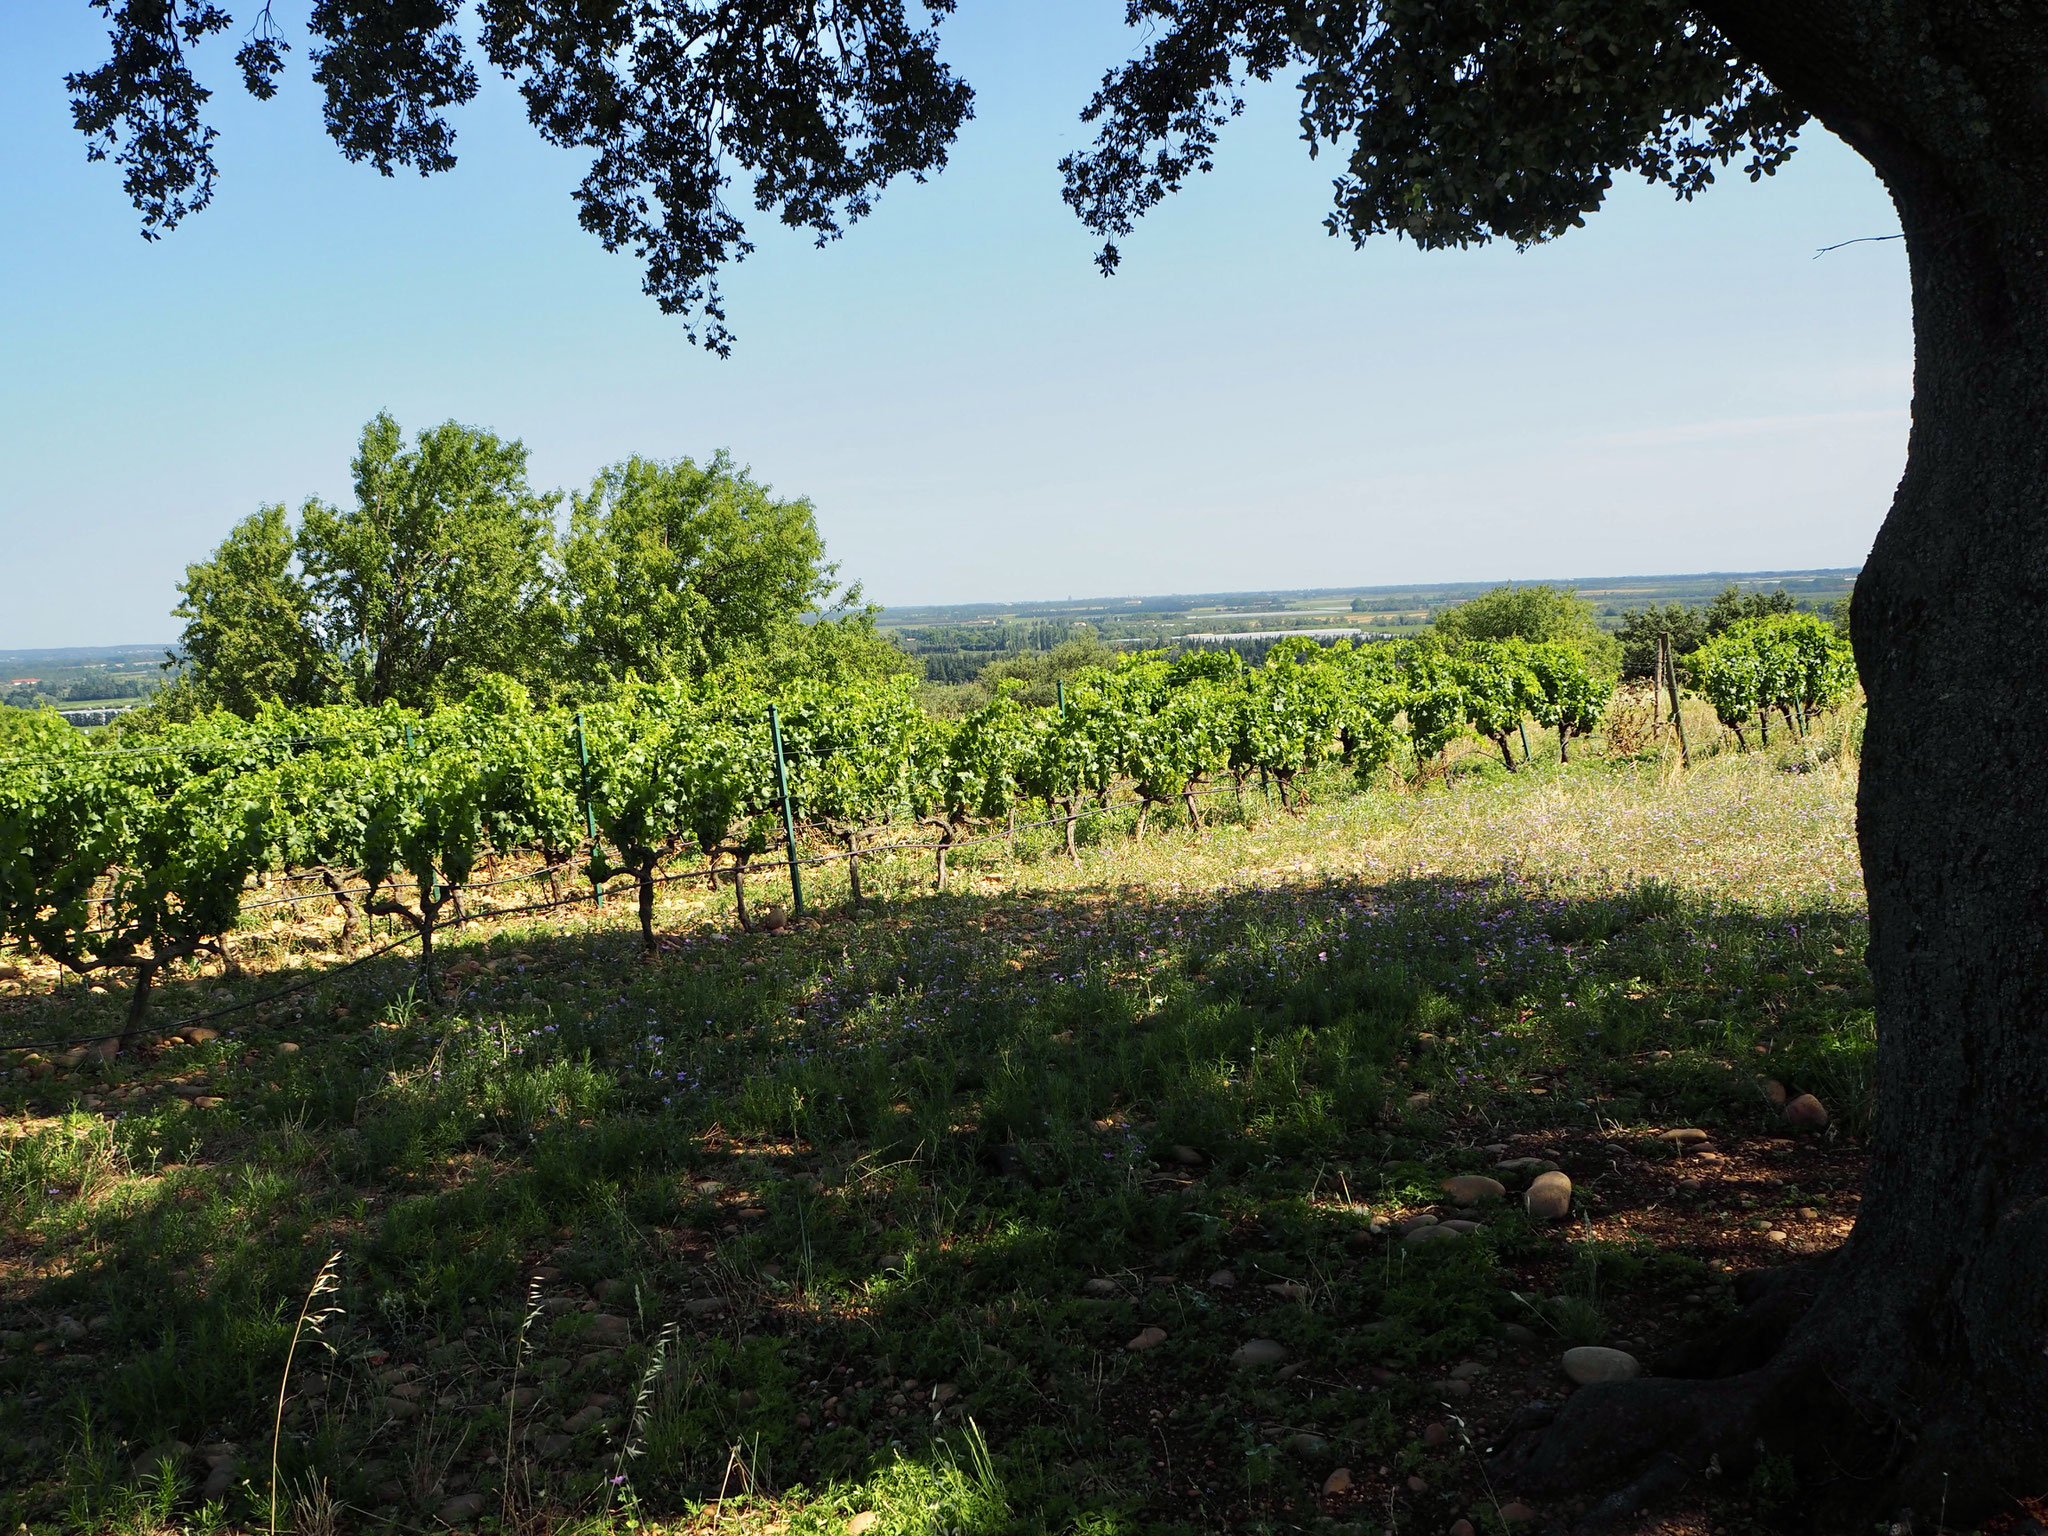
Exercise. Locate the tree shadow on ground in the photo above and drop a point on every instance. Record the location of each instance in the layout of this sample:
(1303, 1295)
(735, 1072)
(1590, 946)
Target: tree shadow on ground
(815, 1210)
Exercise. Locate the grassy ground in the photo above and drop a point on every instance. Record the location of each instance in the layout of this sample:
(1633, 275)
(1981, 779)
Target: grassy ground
(952, 1213)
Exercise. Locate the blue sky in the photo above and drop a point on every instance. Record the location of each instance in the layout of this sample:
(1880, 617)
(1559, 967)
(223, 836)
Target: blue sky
(975, 412)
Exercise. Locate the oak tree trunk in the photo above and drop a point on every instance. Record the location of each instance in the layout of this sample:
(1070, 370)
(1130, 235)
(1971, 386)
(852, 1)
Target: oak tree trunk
(1918, 1374)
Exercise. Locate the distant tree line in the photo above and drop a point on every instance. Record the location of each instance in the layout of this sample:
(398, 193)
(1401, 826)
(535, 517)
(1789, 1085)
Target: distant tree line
(93, 683)
(451, 568)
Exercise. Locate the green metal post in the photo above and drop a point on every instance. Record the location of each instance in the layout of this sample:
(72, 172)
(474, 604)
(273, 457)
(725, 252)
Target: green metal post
(1523, 727)
(589, 815)
(1063, 697)
(796, 878)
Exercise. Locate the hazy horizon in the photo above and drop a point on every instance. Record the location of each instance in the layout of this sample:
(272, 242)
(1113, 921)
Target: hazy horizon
(20, 652)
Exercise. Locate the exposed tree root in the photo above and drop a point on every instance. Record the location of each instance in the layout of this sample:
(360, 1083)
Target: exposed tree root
(1785, 1380)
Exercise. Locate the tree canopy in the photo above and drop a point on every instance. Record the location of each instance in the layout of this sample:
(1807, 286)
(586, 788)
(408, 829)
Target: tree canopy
(1460, 123)
(1689, 627)
(448, 570)
(815, 105)
(1538, 613)
(672, 569)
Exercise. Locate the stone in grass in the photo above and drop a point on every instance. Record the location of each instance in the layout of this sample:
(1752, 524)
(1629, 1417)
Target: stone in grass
(1471, 1188)
(1462, 1527)
(1773, 1092)
(1222, 1280)
(862, 1523)
(1457, 1224)
(1411, 1223)
(1098, 1286)
(1515, 1512)
(220, 1477)
(1148, 1338)
(1258, 1352)
(1188, 1157)
(705, 1306)
(1517, 1333)
(1434, 1435)
(1549, 1197)
(1687, 1136)
(1438, 1233)
(1806, 1113)
(462, 1509)
(151, 1461)
(1591, 1363)
(1307, 1446)
(1337, 1482)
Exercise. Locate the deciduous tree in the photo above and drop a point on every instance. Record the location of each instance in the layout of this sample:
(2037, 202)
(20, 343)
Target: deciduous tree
(671, 570)
(250, 623)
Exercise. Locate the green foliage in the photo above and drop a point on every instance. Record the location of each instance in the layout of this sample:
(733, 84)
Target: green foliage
(1539, 614)
(437, 575)
(446, 572)
(1690, 627)
(1567, 698)
(1797, 664)
(251, 633)
(673, 570)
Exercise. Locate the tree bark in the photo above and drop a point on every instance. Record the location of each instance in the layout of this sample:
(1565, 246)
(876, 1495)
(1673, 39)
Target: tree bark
(1918, 1376)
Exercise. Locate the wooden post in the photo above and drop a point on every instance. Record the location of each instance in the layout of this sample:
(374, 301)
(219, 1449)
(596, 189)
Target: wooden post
(796, 878)
(1677, 714)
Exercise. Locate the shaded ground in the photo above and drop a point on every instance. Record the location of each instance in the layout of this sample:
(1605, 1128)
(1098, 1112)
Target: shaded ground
(868, 1218)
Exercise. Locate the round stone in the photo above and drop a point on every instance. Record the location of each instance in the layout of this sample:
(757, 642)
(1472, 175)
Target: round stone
(1098, 1286)
(1258, 1352)
(1689, 1136)
(1436, 1234)
(1337, 1482)
(462, 1509)
(1806, 1113)
(1471, 1188)
(1222, 1280)
(1148, 1338)
(1773, 1092)
(1591, 1363)
(1411, 1223)
(1549, 1197)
